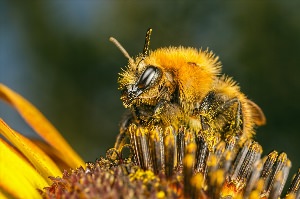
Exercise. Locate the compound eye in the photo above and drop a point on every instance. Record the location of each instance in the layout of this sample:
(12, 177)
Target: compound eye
(148, 76)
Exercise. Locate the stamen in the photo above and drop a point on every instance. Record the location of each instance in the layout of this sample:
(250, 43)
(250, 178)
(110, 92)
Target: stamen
(180, 147)
(156, 150)
(202, 154)
(295, 186)
(170, 151)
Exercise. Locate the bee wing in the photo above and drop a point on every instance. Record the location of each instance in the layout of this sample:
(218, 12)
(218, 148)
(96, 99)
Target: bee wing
(257, 114)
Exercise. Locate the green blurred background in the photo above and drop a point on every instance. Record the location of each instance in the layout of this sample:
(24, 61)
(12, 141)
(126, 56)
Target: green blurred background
(57, 55)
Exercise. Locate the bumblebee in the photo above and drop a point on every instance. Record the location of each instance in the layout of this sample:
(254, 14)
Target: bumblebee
(183, 87)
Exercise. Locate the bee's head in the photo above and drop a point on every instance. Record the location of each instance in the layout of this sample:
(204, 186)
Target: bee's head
(139, 81)
(140, 87)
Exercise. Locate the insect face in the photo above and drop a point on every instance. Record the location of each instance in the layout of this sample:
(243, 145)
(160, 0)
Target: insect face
(133, 92)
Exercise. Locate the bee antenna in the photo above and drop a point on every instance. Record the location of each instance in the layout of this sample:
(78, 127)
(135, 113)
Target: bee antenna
(121, 48)
(147, 42)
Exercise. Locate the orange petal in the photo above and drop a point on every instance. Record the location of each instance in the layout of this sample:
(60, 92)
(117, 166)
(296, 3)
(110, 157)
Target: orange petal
(43, 164)
(18, 178)
(41, 125)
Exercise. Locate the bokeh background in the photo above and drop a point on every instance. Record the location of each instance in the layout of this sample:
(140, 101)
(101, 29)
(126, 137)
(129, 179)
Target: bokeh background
(57, 55)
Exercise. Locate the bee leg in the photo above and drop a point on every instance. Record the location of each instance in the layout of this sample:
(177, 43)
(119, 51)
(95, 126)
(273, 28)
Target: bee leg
(237, 120)
(121, 140)
(166, 112)
(230, 112)
(123, 135)
(223, 117)
(204, 108)
(159, 107)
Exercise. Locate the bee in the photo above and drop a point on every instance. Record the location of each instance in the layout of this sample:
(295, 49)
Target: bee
(183, 87)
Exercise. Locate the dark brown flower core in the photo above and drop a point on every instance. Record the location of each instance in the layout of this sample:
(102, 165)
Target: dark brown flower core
(107, 179)
(169, 165)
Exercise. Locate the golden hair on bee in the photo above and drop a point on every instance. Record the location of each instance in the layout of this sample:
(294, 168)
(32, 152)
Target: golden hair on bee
(183, 87)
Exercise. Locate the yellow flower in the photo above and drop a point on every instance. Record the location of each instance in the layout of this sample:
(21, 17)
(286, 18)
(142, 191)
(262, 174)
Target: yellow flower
(24, 166)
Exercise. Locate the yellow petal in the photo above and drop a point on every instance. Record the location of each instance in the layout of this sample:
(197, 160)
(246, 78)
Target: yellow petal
(52, 153)
(42, 126)
(43, 164)
(18, 178)
(2, 196)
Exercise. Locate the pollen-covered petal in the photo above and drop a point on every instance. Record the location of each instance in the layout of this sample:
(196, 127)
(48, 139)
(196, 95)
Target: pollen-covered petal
(42, 126)
(43, 164)
(18, 178)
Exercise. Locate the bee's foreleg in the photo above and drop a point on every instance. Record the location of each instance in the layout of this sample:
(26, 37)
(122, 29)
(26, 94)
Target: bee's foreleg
(123, 134)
